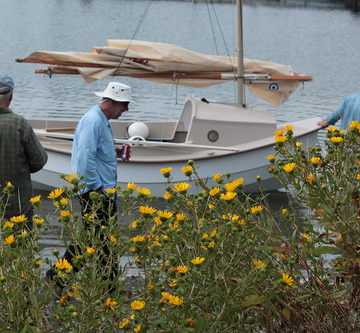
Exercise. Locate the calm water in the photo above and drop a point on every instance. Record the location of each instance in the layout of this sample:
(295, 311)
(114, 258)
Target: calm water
(324, 43)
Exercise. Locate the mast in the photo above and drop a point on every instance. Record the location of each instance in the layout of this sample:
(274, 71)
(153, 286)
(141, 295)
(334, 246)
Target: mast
(240, 56)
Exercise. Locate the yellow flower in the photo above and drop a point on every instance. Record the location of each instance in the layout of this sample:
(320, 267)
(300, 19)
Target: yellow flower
(180, 217)
(36, 199)
(289, 167)
(259, 263)
(305, 236)
(228, 195)
(310, 178)
(231, 187)
(71, 178)
(8, 224)
(112, 239)
(357, 177)
(146, 210)
(24, 232)
(271, 158)
(63, 265)
(332, 129)
(110, 190)
(216, 176)
(187, 170)
(137, 305)
(65, 213)
(164, 214)
(176, 300)
(143, 191)
(166, 171)
(336, 139)
(215, 191)
(137, 328)
(315, 160)
(9, 240)
(134, 224)
(110, 303)
(182, 269)
(55, 193)
(18, 219)
(288, 128)
(285, 211)
(138, 239)
(167, 195)
(90, 250)
(281, 138)
(211, 244)
(256, 209)
(9, 184)
(124, 323)
(173, 283)
(280, 132)
(131, 186)
(181, 187)
(288, 279)
(197, 260)
(298, 144)
(211, 206)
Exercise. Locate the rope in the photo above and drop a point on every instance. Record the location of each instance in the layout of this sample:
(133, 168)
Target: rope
(142, 17)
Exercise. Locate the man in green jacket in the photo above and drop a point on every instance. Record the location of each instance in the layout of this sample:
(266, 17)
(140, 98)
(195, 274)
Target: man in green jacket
(20, 155)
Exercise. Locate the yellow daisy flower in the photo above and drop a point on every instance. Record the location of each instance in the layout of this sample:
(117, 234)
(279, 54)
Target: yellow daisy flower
(9, 240)
(289, 167)
(63, 265)
(36, 199)
(137, 305)
(146, 210)
(259, 263)
(288, 279)
(228, 196)
(197, 260)
(55, 193)
(181, 187)
(216, 176)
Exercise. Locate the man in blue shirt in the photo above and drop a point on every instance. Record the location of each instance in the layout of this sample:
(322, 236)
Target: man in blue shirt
(348, 111)
(95, 158)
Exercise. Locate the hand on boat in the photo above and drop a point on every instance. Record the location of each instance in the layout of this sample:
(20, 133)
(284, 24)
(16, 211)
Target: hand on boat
(322, 123)
(124, 152)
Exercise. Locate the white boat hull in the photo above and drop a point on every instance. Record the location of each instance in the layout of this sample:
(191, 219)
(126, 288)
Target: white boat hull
(248, 164)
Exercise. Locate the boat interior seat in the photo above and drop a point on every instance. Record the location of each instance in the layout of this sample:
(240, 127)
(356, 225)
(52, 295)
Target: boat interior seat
(158, 131)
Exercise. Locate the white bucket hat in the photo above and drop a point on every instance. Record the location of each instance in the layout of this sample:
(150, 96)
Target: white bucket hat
(117, 92)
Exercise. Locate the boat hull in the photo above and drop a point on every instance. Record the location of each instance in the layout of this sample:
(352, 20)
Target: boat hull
(247, 164)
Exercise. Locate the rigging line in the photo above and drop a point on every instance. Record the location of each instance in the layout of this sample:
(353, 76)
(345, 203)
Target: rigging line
(212, 28)
(221, 31)
(142, 17)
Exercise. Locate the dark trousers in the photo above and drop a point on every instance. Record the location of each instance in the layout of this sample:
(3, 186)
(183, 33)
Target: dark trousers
(108, 209)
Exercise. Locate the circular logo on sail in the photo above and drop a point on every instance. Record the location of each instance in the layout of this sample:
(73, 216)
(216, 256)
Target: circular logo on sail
(273, 86)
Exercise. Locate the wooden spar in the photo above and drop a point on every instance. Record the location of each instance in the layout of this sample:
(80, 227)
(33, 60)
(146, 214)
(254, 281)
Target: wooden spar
(60, 129)
(44, 133)
(184, 76)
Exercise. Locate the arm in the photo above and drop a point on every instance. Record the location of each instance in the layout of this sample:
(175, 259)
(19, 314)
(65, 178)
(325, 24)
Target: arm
(84, 158)
(35, 153)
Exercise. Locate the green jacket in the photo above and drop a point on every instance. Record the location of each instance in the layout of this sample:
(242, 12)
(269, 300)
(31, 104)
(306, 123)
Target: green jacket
(20, 155)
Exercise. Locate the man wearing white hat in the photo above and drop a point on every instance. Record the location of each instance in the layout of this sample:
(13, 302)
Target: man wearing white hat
(94, 157)
(93, 152)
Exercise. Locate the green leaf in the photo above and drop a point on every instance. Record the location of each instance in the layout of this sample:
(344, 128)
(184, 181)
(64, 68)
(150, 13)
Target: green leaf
(252, 300)
(338, 294)
(327, 250)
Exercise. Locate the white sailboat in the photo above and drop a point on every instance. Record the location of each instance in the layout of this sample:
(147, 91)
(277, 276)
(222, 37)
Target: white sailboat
(219, 137)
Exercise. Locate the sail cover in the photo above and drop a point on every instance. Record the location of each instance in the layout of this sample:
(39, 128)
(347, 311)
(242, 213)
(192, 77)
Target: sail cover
(170, 64)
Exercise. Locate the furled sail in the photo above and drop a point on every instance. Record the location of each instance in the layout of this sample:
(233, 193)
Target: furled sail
(171, 64)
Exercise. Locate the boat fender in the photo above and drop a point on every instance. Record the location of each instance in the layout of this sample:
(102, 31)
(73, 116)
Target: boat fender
(138, 129)
(205, 100)
(137, 138)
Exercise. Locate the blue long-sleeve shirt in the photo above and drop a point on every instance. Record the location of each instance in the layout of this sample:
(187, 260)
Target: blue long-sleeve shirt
(347, 111)
(93, 152)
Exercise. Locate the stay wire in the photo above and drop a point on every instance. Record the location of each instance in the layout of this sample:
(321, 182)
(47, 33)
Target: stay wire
(142, 18)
